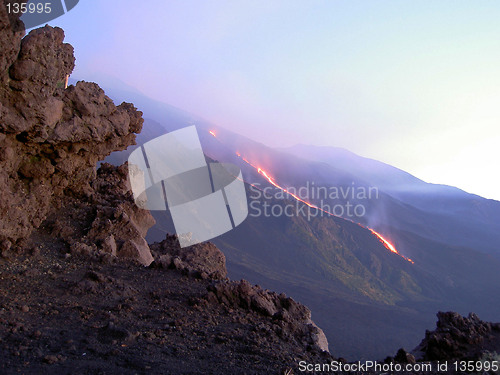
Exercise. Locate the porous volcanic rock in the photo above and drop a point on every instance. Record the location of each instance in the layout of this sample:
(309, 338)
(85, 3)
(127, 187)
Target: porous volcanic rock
(458, 337)
(51, 139)
(294, 319)
(107, 223)
(204, 260)
(11, 33)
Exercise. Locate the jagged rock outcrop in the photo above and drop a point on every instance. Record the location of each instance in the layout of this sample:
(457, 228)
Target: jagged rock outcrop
(294, 319)
(458, 337)
(204, 260)
(51, 139)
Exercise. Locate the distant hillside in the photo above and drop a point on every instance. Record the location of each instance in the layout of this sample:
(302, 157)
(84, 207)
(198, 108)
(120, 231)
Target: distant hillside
(462, 219)
(354, 286)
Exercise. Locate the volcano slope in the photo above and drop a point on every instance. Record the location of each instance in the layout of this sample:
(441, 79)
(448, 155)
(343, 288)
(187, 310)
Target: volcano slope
(452, 238)
(75, 293)
(368, 300)
(447, 275)
(83, 314)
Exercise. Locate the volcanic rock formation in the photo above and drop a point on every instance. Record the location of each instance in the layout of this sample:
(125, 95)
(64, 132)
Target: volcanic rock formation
(459, 337)
(51, 139)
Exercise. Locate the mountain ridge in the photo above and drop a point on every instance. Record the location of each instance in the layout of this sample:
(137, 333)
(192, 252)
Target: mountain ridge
(409, 223)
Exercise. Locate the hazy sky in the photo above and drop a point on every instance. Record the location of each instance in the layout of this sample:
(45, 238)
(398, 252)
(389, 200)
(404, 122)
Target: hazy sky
(415, 84)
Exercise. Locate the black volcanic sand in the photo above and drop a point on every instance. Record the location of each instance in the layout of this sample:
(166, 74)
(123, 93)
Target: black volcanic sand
(68, 314)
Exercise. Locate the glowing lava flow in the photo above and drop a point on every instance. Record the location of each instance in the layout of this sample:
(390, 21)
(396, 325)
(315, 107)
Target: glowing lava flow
(266, 175)
(386, 243)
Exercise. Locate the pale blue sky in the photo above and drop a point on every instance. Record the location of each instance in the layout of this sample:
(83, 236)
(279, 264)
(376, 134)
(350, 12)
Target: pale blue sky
(415, 84)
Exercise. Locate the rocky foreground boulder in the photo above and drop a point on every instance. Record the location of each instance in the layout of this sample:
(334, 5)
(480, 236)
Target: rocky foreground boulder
(293, 318)
(459, 337)
(456, 338)
(206, 261)
(202, 260)
(51, 139)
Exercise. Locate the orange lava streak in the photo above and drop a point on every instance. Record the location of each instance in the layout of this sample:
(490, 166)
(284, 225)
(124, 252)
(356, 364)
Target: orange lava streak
(262, 172)
(389, 245)
(386, 243)
(272, 182)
